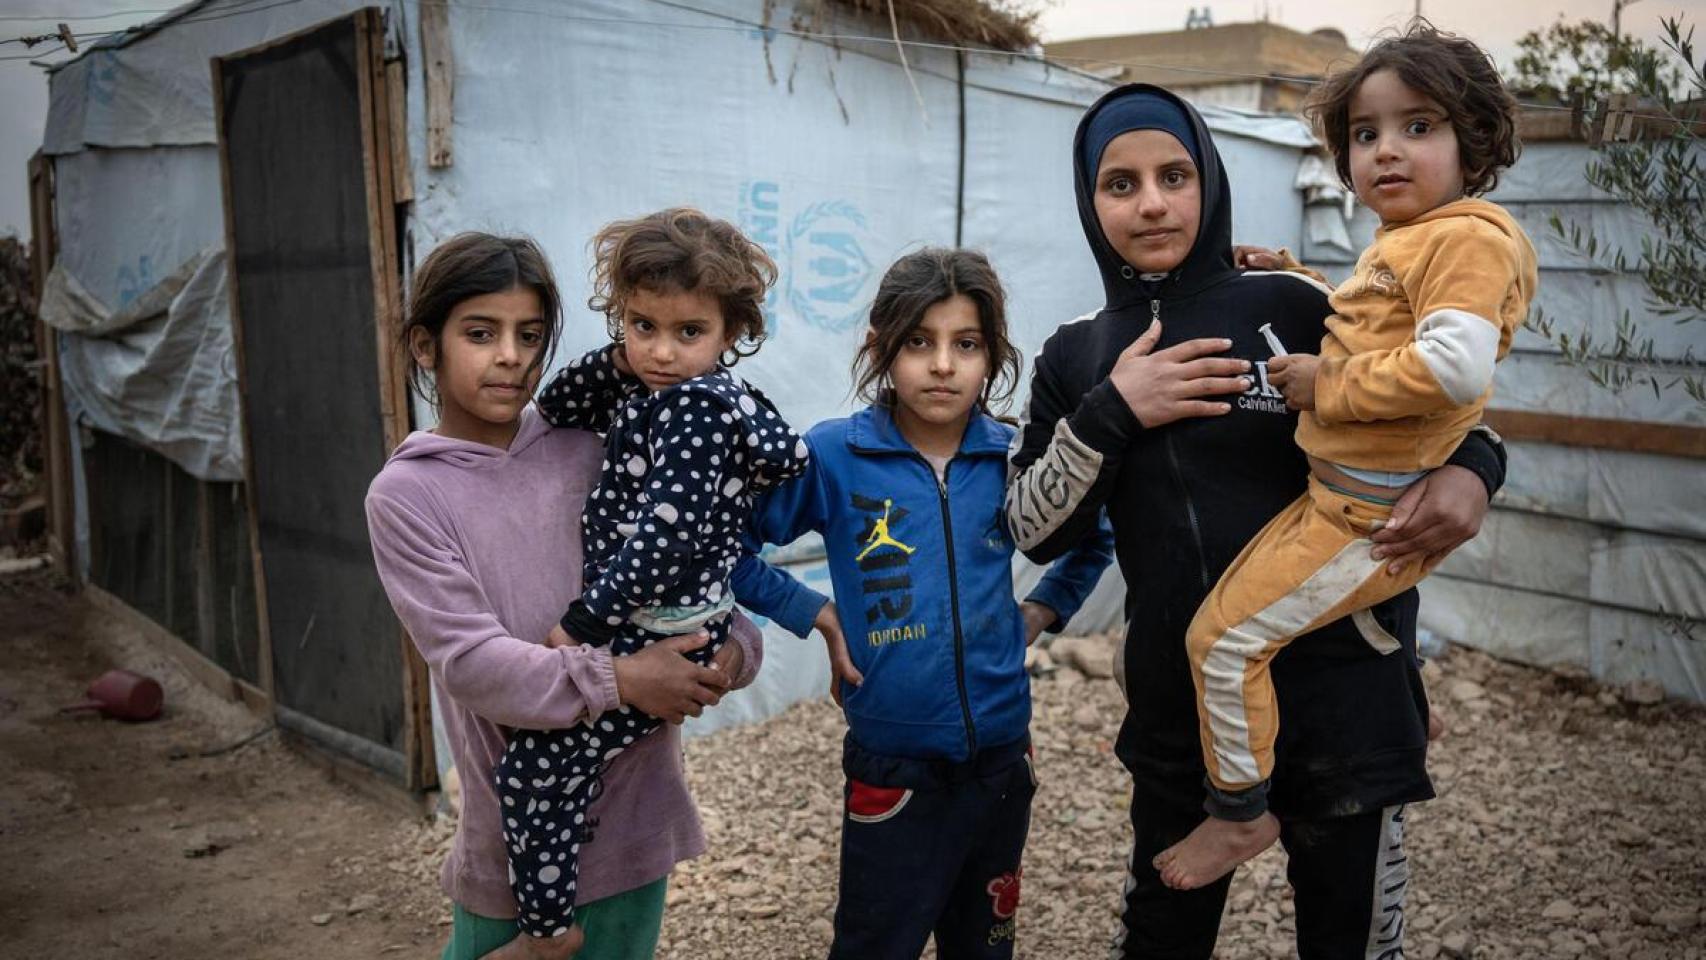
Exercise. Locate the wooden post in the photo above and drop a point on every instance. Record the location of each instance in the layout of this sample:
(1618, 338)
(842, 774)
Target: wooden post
(1627, 436)
(440, 68)
(56, 429)
(396, 89)
(263, 625)
(385, 130)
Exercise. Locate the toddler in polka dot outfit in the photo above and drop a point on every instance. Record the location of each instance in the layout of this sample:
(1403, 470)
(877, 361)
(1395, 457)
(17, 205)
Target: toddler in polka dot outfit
(688, 447)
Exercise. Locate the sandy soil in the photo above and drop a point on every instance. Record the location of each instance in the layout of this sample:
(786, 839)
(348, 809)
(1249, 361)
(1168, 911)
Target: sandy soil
(120, 840)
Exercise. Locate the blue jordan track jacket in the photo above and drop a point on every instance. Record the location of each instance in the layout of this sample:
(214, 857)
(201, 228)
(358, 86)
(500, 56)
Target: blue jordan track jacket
(922, 572)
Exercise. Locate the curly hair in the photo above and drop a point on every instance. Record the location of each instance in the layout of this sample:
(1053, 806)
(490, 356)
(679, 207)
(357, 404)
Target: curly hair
(1445, 68)
(681, 250)
(917, 282)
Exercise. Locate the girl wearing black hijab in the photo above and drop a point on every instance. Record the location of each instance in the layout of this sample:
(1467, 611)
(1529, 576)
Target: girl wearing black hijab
(1157, 409)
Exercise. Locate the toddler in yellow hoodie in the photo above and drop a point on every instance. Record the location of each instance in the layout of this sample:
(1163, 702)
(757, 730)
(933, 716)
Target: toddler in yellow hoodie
(1419, 128)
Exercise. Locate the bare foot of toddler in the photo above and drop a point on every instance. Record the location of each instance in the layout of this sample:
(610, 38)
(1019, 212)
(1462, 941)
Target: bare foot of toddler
(524, 947)
(1214, 849)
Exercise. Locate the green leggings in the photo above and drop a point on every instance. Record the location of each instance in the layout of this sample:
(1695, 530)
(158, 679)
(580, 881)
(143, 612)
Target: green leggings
(622, 927)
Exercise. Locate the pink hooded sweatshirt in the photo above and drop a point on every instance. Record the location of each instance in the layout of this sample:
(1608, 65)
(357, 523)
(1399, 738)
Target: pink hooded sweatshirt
(480, 552)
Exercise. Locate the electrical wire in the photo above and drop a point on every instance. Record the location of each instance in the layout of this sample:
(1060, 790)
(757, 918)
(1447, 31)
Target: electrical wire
(736, 25)
(49, 18)
(238, 8)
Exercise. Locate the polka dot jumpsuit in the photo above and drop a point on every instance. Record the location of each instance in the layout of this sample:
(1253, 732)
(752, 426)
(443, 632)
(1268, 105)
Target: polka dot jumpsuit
(662, 533)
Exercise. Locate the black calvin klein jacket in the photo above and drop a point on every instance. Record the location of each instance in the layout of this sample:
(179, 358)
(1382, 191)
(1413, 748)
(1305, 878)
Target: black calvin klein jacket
(1185, 498)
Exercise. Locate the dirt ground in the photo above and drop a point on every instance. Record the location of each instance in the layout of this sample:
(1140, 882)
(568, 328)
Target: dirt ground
(1570, 824)
(120, 840)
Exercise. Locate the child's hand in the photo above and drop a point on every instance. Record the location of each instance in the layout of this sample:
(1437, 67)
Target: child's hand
(1038, 617)
(841, 666)
(731, 660)
(1294, 375)
(661, 681)
(559, 638)
(1256, 258)
(1166, 385)
(1438, 514)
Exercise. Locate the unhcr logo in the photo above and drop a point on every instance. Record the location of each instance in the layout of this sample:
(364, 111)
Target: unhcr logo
(820, 253)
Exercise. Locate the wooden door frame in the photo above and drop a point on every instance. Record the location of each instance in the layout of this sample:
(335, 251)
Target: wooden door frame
(380, 114)
(56, 428)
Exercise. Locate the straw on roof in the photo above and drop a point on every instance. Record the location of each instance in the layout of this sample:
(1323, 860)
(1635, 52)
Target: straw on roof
(1001, 24)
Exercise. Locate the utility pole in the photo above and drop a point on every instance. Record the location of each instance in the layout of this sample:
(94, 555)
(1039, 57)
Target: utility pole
(1616, 16)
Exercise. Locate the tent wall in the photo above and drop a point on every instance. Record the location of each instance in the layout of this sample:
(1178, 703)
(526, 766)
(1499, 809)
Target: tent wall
(567, 116)
(979, 157)
(174, 548)
(1593, 555)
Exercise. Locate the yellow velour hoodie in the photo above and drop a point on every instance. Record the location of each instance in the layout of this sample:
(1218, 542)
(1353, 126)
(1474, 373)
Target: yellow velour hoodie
(1407, 362)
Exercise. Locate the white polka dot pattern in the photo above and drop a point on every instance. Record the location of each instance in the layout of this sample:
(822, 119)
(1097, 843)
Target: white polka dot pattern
(682, 470)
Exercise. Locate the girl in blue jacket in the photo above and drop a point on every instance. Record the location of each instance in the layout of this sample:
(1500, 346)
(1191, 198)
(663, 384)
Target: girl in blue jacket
(907, 494)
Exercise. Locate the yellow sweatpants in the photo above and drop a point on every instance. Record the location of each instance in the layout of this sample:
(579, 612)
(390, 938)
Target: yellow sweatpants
(1308, 567)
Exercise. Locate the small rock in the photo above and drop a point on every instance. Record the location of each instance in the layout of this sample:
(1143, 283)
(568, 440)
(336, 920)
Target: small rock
(361, 902)
(1630, 835)
(1467, 691)
(1092, 656)
(1456, 945)
(1594, 918)
(201, 845)
(1644, 693)
(760, 911)
(1558, 910)
(1087, 717)
(452, 787)
(1039, 662)
(1432, 673)
(320, 919)
(1676, 920)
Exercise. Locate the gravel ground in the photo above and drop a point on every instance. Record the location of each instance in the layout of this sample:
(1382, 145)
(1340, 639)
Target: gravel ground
(1569, 824)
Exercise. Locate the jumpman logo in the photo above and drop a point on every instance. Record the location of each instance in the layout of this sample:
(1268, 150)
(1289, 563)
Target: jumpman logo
(880, 535)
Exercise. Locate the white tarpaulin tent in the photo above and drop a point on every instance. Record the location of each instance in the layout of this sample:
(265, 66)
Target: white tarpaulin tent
(565, 117)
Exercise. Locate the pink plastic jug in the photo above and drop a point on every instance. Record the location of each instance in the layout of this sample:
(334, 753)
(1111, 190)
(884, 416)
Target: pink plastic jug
(123, 694)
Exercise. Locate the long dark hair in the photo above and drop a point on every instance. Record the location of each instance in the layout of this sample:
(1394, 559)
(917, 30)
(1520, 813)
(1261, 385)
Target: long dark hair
(472, 265)
(917, 282)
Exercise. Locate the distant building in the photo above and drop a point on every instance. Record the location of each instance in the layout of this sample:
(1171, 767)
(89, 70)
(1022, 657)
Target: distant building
(1238, 65)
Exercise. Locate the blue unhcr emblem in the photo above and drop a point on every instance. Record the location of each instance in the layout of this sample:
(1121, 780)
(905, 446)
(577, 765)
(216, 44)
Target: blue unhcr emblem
(825, 271)
(827, 268)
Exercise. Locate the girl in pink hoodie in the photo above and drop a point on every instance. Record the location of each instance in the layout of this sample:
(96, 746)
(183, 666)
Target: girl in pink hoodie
(476, 536)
